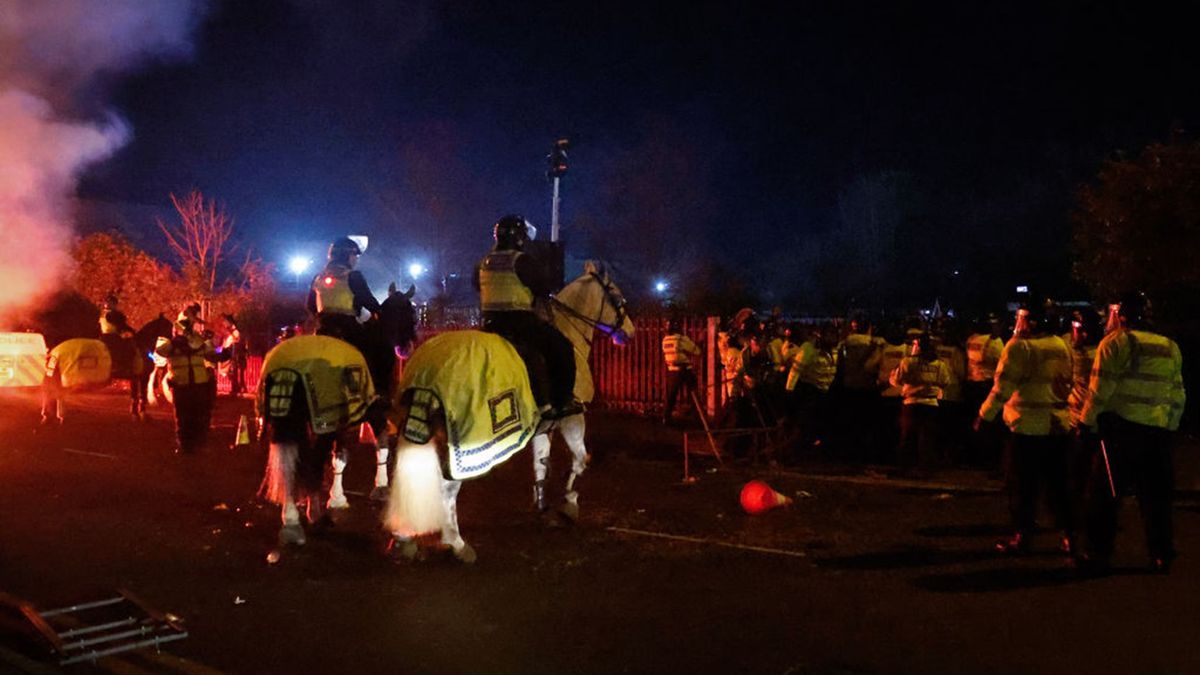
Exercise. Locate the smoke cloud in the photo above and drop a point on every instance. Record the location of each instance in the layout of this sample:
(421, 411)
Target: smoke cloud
(55, 55)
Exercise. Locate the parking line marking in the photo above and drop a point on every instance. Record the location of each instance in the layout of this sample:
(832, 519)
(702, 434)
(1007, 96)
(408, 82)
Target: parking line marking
(699, 540)
(90, 454)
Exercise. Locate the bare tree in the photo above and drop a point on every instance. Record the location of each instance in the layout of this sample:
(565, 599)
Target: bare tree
(200, 240)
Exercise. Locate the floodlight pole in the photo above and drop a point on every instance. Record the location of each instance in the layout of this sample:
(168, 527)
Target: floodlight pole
(554, 202)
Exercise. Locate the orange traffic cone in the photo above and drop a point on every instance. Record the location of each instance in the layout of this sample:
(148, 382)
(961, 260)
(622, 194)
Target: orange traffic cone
(243, 433)
(758, 497)
(365, 435)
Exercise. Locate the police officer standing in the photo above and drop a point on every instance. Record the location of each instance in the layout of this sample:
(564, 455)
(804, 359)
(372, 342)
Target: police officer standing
(678, 351)
(1136, 399)
(187, 353)
(508, 280)
(339, 292)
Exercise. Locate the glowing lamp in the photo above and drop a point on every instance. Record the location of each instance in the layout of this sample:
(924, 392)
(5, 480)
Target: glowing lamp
(297, 264)
(328, 281)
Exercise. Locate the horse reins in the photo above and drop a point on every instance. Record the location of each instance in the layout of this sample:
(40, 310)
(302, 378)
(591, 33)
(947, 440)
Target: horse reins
(597, 324)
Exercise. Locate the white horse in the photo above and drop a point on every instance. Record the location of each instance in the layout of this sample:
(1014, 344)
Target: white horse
(464, 405)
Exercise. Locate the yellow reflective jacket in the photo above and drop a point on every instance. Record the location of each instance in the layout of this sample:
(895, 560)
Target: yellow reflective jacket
(861, 354)
(1137, 375)
(1082, 359)
(983, 353)
(812, 366)
(186, 357)
(332, 289)
(335, 378)
(921, 381)
(79, 362)
(1033, 381)
(678, 351)
(956, 363)
(890, 357)
(500, 289)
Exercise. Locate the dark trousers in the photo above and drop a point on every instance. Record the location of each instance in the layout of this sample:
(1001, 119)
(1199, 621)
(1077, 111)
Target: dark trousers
(858, 422)
(193, 414)
(1140, 457)
(984, 448)
(1037, 463)
(548, 355)
(918, 435)
(682, 380)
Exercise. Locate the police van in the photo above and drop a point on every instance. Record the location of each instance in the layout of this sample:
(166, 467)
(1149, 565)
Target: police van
(22, 359)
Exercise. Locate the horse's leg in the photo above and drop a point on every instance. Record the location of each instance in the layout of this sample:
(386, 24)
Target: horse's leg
(415, 504)
(541, 466)
(572, 429)
(450, 534)
(281, 489)
(340, 454)
(380, 492)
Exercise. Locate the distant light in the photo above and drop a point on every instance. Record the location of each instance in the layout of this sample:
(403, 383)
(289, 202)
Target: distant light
(1022, 289)
(415, 270)
(661, 286)
(297, 264)
(955, 272)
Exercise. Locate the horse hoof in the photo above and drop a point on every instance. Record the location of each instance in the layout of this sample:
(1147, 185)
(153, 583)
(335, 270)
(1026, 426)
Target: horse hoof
(570, 511)
(403, 549)
(339, 502)
(380, 493)
(465, 555)
(291, 534)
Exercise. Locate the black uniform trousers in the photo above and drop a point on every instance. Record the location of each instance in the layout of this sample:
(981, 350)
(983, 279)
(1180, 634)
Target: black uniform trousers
(1037, 464)
(1140, 458)
(918, 445)
(548, 354)
(193, 414)
(683, 380)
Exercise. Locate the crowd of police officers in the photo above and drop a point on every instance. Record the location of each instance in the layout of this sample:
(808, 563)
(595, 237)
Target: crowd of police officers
(1080, 408)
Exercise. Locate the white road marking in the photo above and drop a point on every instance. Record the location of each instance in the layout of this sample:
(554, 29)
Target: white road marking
(91, 454)
(699, 540)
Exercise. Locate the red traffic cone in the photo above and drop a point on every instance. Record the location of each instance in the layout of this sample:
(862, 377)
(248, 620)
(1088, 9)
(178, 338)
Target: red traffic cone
(365, 434)
(243, 433)
(758, 497)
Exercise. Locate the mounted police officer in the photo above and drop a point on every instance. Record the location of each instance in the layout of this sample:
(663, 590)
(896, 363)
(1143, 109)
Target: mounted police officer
(340, 292)
(117, 336)
(508, 281)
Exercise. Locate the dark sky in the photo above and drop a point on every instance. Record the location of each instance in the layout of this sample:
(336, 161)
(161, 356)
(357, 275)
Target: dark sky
(730, 132)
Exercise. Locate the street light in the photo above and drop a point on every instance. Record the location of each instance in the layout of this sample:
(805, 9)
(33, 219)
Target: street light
(661, 286)
(298, 264)
(415, 270)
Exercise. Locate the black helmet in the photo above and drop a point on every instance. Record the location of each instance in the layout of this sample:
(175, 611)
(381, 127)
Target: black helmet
(110, 301)
(512, 232)
(1136, 309)
(342, 248)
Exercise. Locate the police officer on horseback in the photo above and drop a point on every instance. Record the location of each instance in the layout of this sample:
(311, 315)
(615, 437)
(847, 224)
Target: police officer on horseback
(113, 320)
(340, 292)
(508, 281)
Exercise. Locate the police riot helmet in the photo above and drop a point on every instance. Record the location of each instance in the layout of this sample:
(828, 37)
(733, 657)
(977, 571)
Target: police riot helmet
(1136, 309)
(512, 232)
(342, 248)
(1029, 318)
(110, 301)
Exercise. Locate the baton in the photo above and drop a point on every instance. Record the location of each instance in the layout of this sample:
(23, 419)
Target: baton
(1112, 489)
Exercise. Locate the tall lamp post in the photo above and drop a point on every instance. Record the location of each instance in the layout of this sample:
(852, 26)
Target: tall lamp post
(558, 169)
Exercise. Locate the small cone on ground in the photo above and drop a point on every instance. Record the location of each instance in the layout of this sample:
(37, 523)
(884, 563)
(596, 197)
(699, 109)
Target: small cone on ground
(365, 435)
(758, 497)
(243, 433)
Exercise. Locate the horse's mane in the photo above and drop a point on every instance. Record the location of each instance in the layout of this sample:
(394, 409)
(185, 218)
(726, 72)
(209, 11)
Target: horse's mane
(147, 335)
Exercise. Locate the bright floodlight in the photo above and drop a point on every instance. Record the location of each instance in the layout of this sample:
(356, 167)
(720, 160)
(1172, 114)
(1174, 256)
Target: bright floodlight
(298, 264)
(415, 270)
(660, 286)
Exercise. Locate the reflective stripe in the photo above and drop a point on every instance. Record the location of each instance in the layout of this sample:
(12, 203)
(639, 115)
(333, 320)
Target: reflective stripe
(678, 350)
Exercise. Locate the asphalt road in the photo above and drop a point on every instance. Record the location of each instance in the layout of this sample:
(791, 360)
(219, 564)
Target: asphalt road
(860, 575)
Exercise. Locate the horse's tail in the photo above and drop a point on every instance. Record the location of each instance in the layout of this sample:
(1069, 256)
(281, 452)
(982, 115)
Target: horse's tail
(416, 506)
(281, 472)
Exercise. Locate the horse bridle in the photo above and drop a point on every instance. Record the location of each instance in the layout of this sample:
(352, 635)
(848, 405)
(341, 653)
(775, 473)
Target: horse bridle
(613, 299)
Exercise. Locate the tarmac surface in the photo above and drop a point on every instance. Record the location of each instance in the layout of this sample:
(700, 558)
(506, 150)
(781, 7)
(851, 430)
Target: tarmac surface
(860, 574)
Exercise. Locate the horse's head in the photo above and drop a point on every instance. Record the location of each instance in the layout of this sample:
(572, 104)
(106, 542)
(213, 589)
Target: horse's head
(398, 319)
(597, 300)
(148, 335)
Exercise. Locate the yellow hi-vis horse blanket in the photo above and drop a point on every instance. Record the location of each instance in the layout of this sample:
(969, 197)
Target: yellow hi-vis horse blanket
(80, 362)
(482, 385)
(335, 375)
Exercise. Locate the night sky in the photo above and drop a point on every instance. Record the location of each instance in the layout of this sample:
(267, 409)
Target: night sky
(710, 141)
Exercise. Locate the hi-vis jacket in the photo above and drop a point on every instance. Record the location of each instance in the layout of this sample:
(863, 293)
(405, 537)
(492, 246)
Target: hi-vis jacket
(861, 354)
(333, 292)
(890, 357)
(1137, 375)
(113, 322)
(78, 362)
(500, 289)
(678, 351)
(186, 355)
(812, 366)
(983, 353)
(1082, 359)
(956, 362)
(1033, 381)
(921, 381)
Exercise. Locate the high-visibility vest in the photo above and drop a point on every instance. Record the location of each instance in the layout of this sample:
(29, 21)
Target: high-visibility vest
(921, 381)
(956, 363)
(500, 289)
(332, 288)
(983, 353)
(111, 322)
(731, 364)
(1032, 383)
(1139, 376)
(861, 354)
(889, 358)
(186, 359)
(775, 349)
(78, 362)
(1082, 359)
(678, 350)
(812, 366)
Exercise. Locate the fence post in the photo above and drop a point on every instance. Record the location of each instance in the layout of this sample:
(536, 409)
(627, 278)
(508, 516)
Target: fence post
(713, 358)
